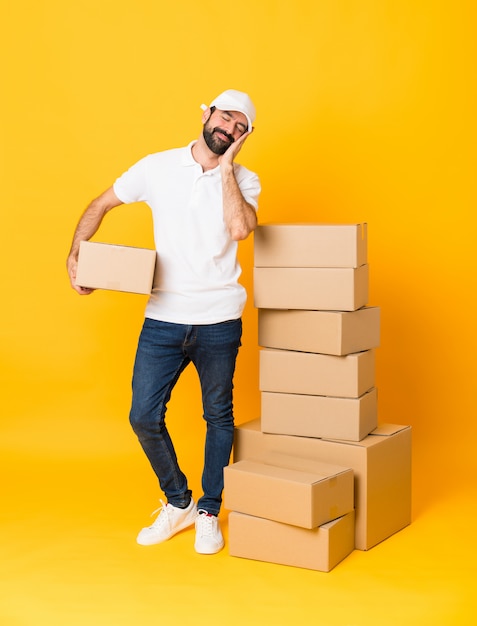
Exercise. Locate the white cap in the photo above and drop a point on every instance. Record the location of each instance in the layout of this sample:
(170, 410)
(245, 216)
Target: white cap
(232, 100)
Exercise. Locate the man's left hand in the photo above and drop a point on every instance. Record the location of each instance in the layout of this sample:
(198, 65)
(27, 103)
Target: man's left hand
(229, 155)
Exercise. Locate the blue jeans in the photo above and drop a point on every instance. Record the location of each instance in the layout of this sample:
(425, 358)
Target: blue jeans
(163, 352)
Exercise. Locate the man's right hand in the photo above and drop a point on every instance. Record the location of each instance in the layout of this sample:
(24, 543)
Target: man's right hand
(72, 266)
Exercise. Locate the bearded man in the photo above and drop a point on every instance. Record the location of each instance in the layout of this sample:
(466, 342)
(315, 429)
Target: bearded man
(202, 203)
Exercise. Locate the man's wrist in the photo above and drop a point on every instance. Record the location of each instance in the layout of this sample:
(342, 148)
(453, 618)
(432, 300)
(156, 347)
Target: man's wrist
(227, 168)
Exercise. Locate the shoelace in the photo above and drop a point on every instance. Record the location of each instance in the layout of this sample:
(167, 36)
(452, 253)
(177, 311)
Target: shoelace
(163, 516)
(206, 523)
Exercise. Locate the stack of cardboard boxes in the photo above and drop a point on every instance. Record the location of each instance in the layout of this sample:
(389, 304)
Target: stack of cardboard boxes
(315, 476)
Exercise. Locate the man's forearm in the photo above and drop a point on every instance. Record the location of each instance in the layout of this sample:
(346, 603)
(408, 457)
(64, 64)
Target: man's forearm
(87, 226)
(91, 219)
(240, 216)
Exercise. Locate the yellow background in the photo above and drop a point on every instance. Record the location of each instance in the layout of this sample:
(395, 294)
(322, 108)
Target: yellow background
(366, 112)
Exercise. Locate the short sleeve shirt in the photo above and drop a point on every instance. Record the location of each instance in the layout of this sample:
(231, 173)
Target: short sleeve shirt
(197, 271)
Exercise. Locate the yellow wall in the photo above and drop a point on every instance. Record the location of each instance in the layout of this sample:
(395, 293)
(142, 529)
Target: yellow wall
(366, 112)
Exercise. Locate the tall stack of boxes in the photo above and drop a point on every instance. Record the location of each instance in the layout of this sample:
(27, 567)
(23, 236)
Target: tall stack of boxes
(317, 445)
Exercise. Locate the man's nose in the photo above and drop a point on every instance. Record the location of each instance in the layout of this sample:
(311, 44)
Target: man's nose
(229, 127)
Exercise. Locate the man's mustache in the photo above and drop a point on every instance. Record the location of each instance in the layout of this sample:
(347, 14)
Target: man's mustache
(224, 132)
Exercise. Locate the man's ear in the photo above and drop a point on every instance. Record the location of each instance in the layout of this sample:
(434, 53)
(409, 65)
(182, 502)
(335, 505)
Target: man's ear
(206, 114)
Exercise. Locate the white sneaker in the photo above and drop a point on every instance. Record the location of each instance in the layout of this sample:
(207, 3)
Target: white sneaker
(170, 521)
(208, 536)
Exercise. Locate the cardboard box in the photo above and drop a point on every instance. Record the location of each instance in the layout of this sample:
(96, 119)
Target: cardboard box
(319, 416)
(325, 332)
(318, 549)
(287, 371)
(315, 492)
(311, 288)
(117, 268)
(310, 245)
(382, 470)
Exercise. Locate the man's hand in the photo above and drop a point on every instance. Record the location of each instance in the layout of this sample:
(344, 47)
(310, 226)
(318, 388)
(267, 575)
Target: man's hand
(72, 266)
(240, 217)
(86, 228)
(228, 158)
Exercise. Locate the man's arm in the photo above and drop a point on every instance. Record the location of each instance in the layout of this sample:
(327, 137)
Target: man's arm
(240, 216)
(87, 226)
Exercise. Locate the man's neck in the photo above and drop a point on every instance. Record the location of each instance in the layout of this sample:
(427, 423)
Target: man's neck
(204, 155)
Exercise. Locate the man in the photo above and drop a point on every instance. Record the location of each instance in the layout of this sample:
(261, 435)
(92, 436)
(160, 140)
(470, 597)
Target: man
(202, 203)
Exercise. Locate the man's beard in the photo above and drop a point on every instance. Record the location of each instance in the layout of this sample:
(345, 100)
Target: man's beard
(216, 144)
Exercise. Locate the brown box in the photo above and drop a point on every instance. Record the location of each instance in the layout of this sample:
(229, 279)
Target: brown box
(382, 469)
(273, 542)
(319, 416)
(310, 245)
(326, 332)
(311, 288)
(117, 268)
(317, 374)
(317, 492)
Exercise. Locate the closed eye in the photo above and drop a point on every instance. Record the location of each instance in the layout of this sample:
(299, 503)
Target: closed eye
(239, 126)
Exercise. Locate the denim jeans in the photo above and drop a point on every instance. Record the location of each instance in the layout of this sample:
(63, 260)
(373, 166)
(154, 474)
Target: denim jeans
(164, 351)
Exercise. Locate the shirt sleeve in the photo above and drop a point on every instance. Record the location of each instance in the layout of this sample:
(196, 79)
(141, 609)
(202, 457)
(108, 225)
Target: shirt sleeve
(249, 185)
(132, 185)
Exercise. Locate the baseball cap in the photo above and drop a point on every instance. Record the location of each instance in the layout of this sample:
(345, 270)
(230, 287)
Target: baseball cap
(233, 100)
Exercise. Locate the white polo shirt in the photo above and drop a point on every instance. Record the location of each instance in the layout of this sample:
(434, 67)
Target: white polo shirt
(197, 271)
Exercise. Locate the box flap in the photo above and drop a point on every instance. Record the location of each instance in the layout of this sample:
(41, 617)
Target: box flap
(303, 464)
(386, 430)
(309, 472)
(312, 224)
(383, 430)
